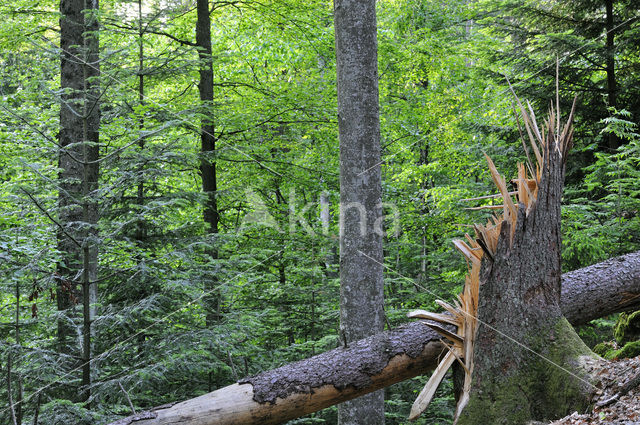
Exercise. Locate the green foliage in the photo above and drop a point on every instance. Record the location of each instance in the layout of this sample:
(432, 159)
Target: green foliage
(601, 219)
(443, 102)
(627, 327)
(604, 349)
(440, 411)
(597, 331)
(62, 412)
(630, 349)
(609, 350)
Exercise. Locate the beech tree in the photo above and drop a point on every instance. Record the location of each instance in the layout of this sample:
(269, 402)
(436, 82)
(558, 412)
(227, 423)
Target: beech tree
(361, 284)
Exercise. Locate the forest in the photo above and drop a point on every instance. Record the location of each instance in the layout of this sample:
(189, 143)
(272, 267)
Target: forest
(203, 196)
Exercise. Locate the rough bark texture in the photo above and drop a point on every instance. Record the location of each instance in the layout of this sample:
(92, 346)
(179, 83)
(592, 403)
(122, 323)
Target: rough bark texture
(297, 387)
(208, 148)
(520, 315)
(361, 284)
(601, 289)
(307, 386)
(610, 66)
(69, 160)
(91, 154)
(78, 179)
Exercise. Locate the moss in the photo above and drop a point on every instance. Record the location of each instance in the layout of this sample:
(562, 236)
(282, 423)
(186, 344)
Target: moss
(567, 341)
(627, 328)
(538, 389)
(609, 350)
(604, 347)
(630, 349)
(597, 331)
(507, 404)
(564, 393)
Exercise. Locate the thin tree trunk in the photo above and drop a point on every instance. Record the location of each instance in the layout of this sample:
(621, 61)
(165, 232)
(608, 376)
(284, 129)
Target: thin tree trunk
(12, 410)
(361, 280)
(329, 253)
(91, 154)
(208, 148)
(36, 412)
(423, 277)
(140, 227)
(70, 157)
(78, 160)
(19, 409)
(611, 70)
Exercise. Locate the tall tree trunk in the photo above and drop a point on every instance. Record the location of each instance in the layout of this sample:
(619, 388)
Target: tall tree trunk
(91, 154)
(528, 360)
(69, 161)
(78, 179)
(141, 232)
(141, 229)
(361, 284)
(208, 162)
(611, 68)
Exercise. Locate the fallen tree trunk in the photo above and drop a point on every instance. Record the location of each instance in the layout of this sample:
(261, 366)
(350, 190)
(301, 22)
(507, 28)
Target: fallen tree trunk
(602, 289)
(376, 362)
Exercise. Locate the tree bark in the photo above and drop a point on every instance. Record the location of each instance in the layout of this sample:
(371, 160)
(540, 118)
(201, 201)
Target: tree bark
(309, 385)
(141, 231)
(595, 291)
(529, 363)
(69, 160)
(78, 178)
(361, 280)
(208, 151)
(90, 170)
(413, 349)
(611, 68)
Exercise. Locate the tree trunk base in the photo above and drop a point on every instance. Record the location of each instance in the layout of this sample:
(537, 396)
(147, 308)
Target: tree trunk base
(539, 388)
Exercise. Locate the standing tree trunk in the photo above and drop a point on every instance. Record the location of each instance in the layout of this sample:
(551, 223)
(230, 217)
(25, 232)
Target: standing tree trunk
(78, 179)
(361, 284)
(528, 360)
(610, 52)
(141, 231)
(90, 173)
(208, 162)
(69, 161)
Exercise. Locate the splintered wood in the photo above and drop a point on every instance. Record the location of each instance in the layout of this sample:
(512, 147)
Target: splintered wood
(463, 314)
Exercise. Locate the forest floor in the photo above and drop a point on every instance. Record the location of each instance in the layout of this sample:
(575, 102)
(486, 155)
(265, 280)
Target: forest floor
(617, 400)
